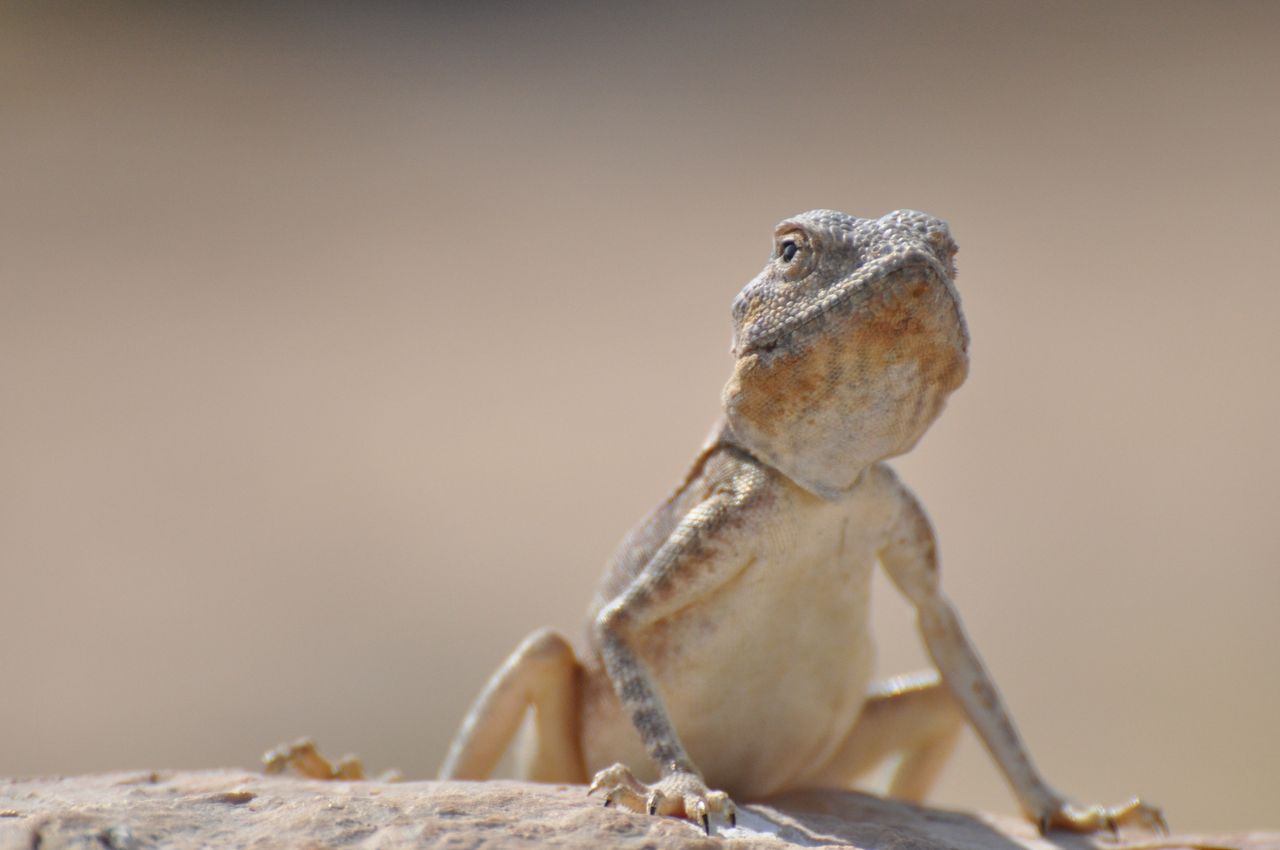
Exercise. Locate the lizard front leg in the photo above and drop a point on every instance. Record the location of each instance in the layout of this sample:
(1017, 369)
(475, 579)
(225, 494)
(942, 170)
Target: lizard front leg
(681, 789)
(910, 559)
(697, 559)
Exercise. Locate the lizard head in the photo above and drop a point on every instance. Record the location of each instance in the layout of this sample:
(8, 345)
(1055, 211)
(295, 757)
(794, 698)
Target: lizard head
(847, 344)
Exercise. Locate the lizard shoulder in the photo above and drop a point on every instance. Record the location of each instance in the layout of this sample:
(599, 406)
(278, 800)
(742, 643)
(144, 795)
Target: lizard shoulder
(721, 468)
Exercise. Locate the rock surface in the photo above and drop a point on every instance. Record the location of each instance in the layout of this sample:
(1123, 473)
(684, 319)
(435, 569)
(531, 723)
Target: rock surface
(227, 808)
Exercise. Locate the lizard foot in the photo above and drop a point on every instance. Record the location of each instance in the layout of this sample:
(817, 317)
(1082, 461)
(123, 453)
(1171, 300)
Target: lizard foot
(681, 793)
(1073, 818)
(304, 759)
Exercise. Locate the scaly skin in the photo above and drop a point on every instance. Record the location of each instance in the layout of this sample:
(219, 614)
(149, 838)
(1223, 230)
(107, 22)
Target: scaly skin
(728, 646)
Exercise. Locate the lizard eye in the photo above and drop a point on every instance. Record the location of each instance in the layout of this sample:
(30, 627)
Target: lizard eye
(787, 252)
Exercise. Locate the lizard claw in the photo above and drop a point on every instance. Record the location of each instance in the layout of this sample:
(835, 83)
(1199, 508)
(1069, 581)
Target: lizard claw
(654, 800)
(680, 793)
(699, 811)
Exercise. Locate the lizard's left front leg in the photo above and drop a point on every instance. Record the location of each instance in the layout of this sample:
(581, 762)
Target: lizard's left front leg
(910, 559)
(695, 560)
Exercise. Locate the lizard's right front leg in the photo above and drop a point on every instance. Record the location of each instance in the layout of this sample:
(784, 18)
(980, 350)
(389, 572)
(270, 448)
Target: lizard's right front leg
(697, 559)
(681, 790)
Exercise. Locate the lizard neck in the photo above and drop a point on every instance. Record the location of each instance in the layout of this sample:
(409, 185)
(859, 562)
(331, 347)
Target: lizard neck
(723, 434)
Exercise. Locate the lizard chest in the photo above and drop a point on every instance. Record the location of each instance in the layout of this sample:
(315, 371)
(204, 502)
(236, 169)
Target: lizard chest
(794, 615)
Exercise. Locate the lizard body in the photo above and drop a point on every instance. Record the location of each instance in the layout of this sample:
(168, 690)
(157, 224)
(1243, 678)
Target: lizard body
(728, 647)
(743, 593)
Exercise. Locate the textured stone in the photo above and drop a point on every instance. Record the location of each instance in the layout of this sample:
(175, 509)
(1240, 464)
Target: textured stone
(227, 808)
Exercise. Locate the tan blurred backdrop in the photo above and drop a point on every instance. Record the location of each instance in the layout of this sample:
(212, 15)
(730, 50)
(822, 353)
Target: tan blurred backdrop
(337, 350)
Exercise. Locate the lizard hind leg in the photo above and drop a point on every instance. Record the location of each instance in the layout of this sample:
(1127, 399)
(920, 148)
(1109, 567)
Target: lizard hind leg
(912, 716)
(542, 673)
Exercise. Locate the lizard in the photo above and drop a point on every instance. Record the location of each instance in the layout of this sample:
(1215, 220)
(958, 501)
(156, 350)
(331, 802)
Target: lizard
(728, 654)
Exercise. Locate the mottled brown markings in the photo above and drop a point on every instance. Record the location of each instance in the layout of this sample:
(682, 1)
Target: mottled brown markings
(632, 690)
(716, 462)
(775, 390)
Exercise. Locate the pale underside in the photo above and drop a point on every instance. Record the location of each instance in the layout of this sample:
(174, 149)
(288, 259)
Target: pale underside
(770, 671)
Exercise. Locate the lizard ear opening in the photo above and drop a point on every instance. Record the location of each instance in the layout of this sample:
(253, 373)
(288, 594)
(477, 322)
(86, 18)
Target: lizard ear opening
(853, 387)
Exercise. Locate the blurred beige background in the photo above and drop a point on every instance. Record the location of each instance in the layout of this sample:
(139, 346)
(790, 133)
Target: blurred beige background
(337, 350)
